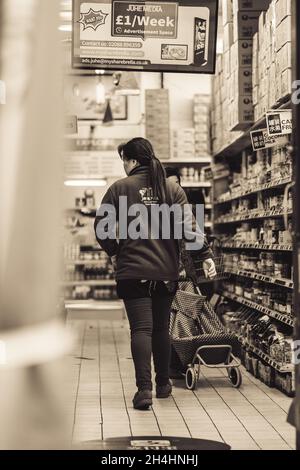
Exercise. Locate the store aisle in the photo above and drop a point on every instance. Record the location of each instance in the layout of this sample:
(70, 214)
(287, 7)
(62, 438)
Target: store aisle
(102, 382)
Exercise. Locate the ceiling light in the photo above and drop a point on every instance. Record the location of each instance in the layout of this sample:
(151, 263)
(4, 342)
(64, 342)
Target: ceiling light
(65, 27)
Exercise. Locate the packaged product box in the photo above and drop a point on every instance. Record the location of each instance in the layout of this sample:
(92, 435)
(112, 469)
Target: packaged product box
(201, 119)
(245, 24)
(246, 5)
(231, 91)
(286, 82)
(255, 77)
(283, 9)
(203, 149)
(224, 90)
(255, 95)
(241, 54)
(284, 58)
(242, 113)
(184, 132)
(228, 36)
(201, 108)
(219, 64)
(179, 153)
(242, 80)
(272, 88)
(202, 131)
(202, 142)
(227, 11)
(283, 33)
(227, 68)
(202, 99)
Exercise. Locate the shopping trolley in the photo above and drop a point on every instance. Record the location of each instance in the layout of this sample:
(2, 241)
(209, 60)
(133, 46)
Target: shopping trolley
(199, 338)
(220, 264)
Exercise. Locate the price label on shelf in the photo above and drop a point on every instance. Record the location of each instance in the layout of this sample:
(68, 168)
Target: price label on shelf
(262, 140)
(280, 123)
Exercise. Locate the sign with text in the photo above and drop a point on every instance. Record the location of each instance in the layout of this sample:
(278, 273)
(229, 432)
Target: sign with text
(280, 122)
(145, 35)
(262, 140)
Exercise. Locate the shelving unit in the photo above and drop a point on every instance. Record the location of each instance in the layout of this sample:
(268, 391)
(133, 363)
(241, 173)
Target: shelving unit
(98, 283)
(260, 308)
(243, 140)
(203, 184)
(260, 188)
(242, 213)
(192, 187)
(282, 368)
(255, 215)
(287, 283)
(188, 161)
(256, 246)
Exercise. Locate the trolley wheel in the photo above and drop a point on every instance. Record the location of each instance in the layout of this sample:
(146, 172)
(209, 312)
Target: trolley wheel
(191, 378)
(235, 377)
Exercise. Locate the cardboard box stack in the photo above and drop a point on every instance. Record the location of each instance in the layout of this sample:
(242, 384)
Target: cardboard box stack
(191, 143)
(183, 143)
(158, 121)
(201, 111)
(272, 56)
(254, 71)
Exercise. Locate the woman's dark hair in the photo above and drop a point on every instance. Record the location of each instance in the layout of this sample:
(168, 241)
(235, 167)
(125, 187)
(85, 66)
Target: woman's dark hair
(173, 171)
(141, 150)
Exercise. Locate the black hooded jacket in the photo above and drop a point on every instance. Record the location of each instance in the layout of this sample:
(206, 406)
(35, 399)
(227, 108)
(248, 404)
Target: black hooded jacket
(149, 258)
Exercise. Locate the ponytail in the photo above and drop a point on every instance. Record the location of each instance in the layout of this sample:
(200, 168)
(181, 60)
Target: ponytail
(141, 150)
(158, 179)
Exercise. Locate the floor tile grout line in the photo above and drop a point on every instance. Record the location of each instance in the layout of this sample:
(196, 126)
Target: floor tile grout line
(214, 424)
(227, 405)
(251, 379)
(152, 409)
(183, 418)
(122, 383)
(100, 380)
(78, 381)
(263, 416)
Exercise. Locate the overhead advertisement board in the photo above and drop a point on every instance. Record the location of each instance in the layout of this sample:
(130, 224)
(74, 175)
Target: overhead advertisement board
(160, 36)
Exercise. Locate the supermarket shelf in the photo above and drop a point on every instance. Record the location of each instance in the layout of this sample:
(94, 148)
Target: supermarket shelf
(221, 176)
(102, 283)
(257, 246)
(259, 188)
(252, 216)
(284, 369)
(92, 262)
(204, 184)
(287, 283)
(93, 305)
(188, 161)
(260, 308)
(244, 140)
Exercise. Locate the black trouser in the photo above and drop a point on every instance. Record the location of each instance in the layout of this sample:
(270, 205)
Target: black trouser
(148, 307)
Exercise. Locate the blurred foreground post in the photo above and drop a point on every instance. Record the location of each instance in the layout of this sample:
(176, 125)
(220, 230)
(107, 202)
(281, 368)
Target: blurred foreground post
(32, 335)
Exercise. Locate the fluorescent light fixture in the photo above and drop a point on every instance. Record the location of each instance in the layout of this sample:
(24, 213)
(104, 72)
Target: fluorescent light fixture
(66, 15)
(99, 72)
(86, 183)
(65, 27)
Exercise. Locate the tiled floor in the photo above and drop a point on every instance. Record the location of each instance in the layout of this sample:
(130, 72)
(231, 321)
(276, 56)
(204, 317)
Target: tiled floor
(102, 383)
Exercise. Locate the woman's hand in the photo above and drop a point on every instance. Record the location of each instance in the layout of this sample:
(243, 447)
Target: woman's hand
(209, 268)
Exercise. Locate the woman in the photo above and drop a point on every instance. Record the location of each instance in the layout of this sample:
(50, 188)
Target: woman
(147, 267)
